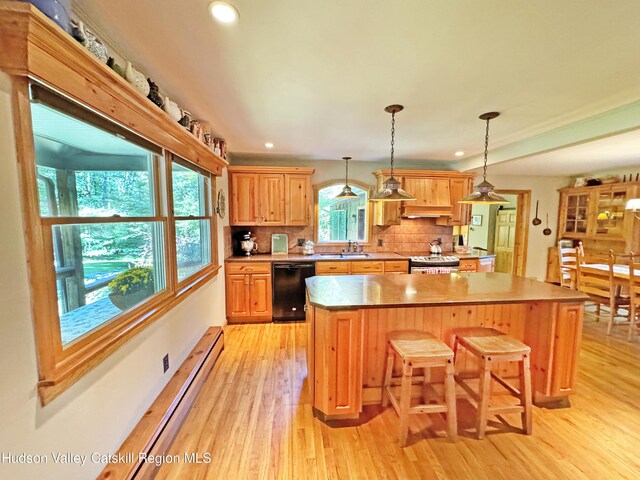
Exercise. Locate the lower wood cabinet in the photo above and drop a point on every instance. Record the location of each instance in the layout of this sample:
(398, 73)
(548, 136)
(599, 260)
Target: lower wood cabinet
(367, 267)
(468, 265)
(248, 291)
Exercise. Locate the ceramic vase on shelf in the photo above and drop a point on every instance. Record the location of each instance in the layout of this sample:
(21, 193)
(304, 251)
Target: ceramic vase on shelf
(137, 79)
(154, 93)
(185, 121)
(56, 10)
(172, 109)
(87, 38)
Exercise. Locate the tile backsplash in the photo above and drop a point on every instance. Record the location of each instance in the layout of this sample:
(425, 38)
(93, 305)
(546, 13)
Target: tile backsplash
(411, 236)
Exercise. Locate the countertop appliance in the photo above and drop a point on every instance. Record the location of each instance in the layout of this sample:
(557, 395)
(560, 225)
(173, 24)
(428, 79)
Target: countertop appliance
(434, 264)
(236, 241)
(289, 289)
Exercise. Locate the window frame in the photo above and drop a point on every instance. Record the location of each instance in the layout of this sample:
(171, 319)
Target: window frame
(316, 208)
(210, 198)
(59, 367)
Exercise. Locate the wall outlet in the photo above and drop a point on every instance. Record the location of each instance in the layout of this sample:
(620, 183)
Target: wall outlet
(379, 242)
(165, 363)
(301, 242)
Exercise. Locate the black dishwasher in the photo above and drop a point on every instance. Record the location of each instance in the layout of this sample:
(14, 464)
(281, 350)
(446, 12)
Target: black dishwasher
(289, 290)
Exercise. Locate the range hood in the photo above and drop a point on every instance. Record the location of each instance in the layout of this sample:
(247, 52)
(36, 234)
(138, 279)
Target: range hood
(423, 211)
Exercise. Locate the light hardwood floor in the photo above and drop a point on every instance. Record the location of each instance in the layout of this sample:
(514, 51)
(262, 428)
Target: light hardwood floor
(254, 416)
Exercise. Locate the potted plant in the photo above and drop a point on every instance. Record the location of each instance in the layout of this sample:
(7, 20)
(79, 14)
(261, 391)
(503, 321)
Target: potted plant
(131, 287)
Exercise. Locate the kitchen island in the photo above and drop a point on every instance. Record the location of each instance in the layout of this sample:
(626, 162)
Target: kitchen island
(349, 317)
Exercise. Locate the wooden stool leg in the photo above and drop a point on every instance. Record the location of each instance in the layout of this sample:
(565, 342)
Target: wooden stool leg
(387, 375)
(426, 384)
(405, 402)
(483, 403)
(598, 312)
(450, 400)
(632, 320)
(525, 394)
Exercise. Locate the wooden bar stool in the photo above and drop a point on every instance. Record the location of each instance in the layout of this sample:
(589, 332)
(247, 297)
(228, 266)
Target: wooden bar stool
(492, 346)
(418, 349)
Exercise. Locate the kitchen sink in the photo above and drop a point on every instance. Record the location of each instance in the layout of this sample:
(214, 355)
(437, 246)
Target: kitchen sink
(345, 255)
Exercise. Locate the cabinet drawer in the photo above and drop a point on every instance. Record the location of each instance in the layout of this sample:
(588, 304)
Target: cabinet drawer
(396, 266)
(366, 267)
(257, 267)
(468, 265)
(332, 267)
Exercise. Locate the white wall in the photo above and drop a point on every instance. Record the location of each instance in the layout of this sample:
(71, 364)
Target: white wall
(98, 412)
(543, 189)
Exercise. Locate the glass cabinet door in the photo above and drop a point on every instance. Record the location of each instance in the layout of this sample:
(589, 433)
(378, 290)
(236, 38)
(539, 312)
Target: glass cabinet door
(610, 212)
(577, 210)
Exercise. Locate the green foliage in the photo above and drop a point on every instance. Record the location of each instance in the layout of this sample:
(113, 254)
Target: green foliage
(132, 280)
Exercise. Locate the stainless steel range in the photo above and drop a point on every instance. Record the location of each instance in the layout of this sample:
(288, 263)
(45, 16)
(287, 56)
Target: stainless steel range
(434, 264)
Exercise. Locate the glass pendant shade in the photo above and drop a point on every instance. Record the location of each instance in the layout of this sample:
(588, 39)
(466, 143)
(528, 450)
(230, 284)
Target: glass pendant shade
(346, 190)
(391, 188)
(391, 192)
(484, 193)
(346, 193)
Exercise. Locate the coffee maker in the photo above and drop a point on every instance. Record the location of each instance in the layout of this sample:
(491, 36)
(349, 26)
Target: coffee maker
(236, 242)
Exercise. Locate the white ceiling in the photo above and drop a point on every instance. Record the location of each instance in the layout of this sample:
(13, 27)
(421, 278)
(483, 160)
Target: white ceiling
(314, 77)
(607, 153)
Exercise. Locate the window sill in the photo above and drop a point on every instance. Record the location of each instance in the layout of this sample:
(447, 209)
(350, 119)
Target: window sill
(68, 371)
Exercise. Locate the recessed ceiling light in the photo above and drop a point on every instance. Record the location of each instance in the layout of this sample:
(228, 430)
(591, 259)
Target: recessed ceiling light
(268, 145)
(223, 12)
(459, 153)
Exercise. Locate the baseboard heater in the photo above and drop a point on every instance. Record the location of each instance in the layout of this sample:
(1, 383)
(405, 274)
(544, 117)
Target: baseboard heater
(155, 432)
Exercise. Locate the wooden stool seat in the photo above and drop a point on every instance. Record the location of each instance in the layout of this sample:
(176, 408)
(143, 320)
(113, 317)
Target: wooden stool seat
(489, 341)
(493, 346)
(418, 349)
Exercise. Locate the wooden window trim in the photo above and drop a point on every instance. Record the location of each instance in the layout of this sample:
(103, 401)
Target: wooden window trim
(59, 369)
(368, 211)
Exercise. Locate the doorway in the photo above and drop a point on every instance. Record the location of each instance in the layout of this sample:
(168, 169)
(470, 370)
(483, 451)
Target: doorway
(502, 230)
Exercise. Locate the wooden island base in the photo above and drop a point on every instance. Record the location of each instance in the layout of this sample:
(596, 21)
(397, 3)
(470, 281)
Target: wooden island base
(347, 347)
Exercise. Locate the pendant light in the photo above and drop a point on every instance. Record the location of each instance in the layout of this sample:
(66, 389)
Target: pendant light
(346, 190)
(391, 191)
(484, 193)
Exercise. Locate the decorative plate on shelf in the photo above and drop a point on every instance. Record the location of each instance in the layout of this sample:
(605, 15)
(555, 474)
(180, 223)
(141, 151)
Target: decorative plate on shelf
(221, 205)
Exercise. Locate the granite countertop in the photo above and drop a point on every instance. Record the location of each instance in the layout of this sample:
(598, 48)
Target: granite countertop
(473, 254)
(350, 292)
(296, 257)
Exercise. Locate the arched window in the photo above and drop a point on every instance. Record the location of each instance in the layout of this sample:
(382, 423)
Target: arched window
(339, 220)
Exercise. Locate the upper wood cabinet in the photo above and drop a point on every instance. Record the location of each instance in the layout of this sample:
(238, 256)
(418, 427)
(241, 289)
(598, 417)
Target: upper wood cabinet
(298, 198)
(429, 192)
(597, 216)
(437, 194)
(270, 195)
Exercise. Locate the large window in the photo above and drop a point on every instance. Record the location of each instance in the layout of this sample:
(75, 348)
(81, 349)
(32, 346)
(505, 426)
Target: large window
(192, 212)
(119, 231)
(341, 219)
(97, 198)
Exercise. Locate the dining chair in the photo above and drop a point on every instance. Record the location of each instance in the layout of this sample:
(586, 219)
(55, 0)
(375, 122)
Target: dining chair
(599, 284)
(567, 259)
(634, 294)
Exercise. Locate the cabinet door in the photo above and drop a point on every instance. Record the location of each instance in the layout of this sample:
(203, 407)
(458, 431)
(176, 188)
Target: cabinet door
(338, 362)
(574, 212)
(244, 202)
(298, 190)
(468, 265)
(566, 344)
(260, 295)
(237, 295)
(610, 212)
(460, 188)
(367, 268)
(429, 192)
(271, 195)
